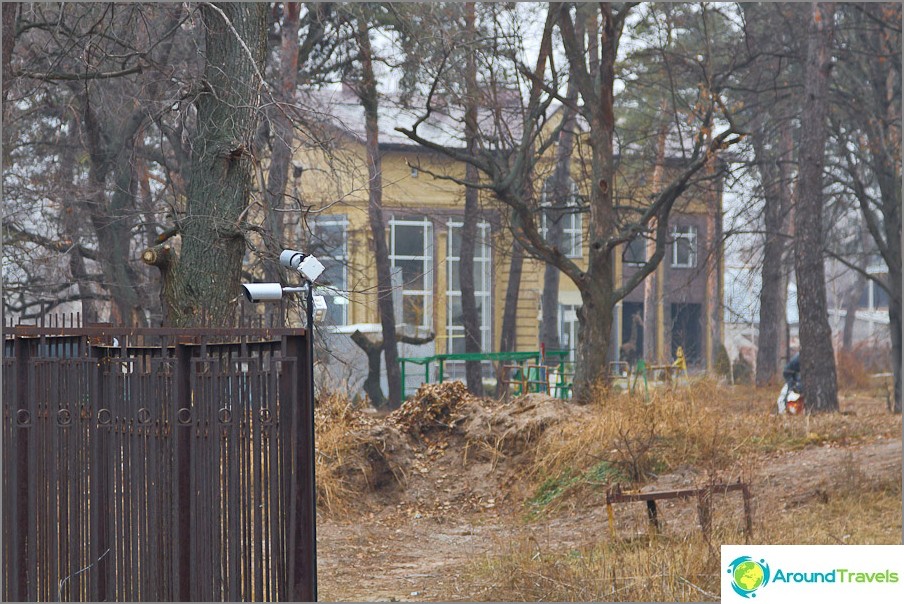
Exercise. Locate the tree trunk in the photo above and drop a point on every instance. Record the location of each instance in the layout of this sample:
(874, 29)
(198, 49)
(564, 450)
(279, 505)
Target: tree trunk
(597, 284)
(776, 193)
(595, 319)
(817, 359)
(72, 211)
(852, 296)
(374, 352)
(470, 319)
(283, 137)
(206, 277)
(557, 196)
(111, 154)
(510, 310)
(652, 285)
(367, 92)
(10, 11)
(894, 319)
(712, 321)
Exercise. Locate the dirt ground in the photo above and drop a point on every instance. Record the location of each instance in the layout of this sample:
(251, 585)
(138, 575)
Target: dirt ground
(456, 501)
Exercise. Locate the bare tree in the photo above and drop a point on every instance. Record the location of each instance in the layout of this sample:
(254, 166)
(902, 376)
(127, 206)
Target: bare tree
(509, 174)
(204, 277)
(366, 89)
(817, 357)
(867, 125)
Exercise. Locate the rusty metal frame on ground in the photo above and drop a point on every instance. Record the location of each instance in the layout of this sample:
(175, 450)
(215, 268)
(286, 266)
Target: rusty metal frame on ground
(703, 495)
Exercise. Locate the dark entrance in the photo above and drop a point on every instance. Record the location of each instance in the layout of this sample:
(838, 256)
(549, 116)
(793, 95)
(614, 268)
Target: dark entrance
(687, 331)
(632, 331)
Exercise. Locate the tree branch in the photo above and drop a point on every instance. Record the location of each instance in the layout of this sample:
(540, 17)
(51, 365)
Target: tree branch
(63, 247)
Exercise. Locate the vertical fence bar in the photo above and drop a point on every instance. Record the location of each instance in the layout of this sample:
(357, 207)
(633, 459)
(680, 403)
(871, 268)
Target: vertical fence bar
(23, 478)
(182, 475)
(302, 573)
(33, 478)
(100, 492)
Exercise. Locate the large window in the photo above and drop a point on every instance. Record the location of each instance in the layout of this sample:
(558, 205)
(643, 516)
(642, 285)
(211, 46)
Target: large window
(330, 245)
(411, 257)
(483, 287)
(569, 216)
(684, 246)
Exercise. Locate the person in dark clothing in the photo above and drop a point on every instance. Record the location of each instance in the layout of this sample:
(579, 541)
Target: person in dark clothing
(791, 372)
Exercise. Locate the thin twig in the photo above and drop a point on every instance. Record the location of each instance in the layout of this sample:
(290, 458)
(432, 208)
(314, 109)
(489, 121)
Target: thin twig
(75, 574)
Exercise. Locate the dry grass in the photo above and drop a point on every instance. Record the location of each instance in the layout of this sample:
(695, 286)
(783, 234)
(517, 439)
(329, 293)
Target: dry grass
(707, 425)
(337, 422)
(669, 568)
(713, 429)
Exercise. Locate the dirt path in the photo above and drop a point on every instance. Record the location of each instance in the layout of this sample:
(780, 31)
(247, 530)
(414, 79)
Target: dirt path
(397, 556)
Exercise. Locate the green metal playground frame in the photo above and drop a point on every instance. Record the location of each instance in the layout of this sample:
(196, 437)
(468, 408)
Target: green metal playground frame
(523, 359)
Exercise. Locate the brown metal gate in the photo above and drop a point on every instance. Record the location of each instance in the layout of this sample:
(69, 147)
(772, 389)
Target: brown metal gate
(156, 464)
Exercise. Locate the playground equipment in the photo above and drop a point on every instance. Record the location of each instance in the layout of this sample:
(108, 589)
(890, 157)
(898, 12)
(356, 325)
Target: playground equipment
(522, 372)
(648, 372)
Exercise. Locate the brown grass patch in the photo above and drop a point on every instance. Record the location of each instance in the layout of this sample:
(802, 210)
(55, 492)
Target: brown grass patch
(677, 568)
(706, 425)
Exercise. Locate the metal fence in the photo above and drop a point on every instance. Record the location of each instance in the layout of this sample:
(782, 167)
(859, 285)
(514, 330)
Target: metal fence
(156, 464)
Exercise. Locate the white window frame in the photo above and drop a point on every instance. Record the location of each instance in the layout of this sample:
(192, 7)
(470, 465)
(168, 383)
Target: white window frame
(483, 254)
(573, 220)
(688, 233)
(427, 262)
(335, 295)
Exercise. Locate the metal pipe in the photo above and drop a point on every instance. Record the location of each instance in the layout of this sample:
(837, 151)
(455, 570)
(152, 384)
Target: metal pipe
(312, 463)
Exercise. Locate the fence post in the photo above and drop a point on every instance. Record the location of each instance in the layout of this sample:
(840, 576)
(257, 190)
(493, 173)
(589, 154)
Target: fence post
(100, 468)
(303, 544)
(182, 495)
(19, 574)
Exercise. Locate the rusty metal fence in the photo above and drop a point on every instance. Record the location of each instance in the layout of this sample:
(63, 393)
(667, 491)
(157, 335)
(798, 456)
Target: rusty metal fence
(156, 464)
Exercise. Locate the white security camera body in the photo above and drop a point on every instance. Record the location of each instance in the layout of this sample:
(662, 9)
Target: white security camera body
(311, 268)
(262, 292)
(306, 264)
(291, 258)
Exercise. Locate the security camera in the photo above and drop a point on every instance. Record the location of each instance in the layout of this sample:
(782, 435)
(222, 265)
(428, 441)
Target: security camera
(306, 264)
(311, 268)
(291, 258)
(262, 292)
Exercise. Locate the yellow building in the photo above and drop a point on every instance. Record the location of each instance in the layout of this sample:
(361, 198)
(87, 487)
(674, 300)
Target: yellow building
(423, 218)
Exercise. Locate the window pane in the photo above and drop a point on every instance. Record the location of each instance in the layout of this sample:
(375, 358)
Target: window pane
(683, 253)
(455, 241)
(413, 309)
(635, 251)
(409, 240)
(329, 239)
(412, 273)
(456, 341)
(456, 314)
(333, 274)
(454, 276)
(880, 296)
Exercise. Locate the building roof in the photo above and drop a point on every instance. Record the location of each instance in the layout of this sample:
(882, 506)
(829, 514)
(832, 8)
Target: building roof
(340, 109)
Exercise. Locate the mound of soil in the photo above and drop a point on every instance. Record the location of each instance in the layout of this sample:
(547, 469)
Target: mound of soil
(445, 451)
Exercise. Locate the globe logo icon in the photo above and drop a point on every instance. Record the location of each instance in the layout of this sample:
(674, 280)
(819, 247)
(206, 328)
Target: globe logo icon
(748, 575)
